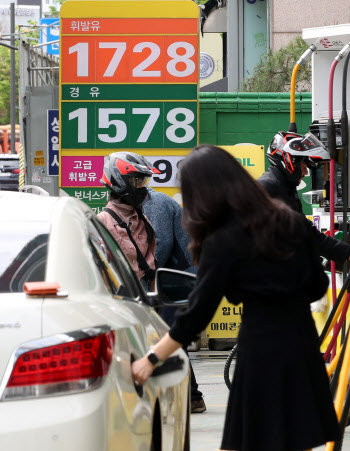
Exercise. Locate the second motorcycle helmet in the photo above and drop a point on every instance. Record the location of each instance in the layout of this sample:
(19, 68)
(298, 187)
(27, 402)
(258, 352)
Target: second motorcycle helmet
(288, 150)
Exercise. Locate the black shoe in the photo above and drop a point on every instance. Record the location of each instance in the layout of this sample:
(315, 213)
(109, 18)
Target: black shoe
(198, 406)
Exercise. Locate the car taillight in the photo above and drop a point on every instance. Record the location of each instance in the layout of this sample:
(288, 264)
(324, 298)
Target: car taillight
(16, 171)
(63, 368)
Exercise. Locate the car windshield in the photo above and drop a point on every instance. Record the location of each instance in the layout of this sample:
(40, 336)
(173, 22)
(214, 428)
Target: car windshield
(23, 250)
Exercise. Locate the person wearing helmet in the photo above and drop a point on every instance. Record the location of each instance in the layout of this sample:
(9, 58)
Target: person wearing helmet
(290, 155)
(126, 175)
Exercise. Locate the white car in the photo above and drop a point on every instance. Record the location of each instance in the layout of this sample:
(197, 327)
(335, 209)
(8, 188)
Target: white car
(65, 354)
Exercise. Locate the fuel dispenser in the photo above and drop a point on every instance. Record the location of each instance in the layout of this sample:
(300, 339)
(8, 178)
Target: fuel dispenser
(330, 197)
(330, 57)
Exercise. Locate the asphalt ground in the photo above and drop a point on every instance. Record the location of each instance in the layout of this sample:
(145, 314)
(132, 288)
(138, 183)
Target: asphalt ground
(206, 427)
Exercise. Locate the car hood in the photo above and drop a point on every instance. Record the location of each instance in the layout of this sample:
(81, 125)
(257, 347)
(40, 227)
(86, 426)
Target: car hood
(20, 321)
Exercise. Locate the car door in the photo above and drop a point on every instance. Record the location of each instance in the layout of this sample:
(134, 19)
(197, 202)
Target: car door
(131, 342)
(171, 388)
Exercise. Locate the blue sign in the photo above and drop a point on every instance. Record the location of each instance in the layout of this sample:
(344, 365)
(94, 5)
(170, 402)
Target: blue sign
(52, 141)
(50, 32)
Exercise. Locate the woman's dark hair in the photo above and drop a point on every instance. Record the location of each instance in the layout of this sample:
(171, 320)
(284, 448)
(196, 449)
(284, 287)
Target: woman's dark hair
(215, 185)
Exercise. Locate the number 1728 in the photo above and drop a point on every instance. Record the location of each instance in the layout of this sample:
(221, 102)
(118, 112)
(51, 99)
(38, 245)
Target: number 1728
(130, 59)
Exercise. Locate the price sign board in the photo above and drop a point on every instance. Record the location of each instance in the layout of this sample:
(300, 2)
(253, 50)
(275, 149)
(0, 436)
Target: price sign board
(128, 82)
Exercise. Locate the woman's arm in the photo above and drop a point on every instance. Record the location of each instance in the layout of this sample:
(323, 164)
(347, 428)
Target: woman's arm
(215, 272)
(142, 369)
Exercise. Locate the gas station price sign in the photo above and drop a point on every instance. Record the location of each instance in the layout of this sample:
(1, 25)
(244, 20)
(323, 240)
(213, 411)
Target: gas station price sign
(128, 81)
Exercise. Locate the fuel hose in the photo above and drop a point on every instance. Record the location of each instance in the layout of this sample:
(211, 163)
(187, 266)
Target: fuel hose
(332, 153)
(335, 312)
(344, 122)
(304, 57)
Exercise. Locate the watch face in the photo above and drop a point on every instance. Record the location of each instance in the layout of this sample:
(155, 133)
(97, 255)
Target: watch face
(152, 358)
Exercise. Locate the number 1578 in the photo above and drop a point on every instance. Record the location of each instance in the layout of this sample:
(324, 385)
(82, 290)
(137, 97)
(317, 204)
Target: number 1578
(128, 127)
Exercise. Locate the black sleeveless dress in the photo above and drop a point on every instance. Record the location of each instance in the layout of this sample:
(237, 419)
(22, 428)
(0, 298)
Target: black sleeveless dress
(280, 398)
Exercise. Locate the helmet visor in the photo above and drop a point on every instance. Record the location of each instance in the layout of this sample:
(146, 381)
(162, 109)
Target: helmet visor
(308, 148)
(138, 181)
(310, 142)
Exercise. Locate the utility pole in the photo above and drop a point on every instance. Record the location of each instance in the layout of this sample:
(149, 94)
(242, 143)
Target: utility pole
(234, 44)
(13, 80)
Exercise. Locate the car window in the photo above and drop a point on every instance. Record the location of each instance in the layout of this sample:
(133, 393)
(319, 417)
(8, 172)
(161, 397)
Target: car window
(23, 254)
(106, 264)
(121, 260)
(9, 163)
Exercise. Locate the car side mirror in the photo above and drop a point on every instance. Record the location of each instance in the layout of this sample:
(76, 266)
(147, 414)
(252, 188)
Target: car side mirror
(174, 287)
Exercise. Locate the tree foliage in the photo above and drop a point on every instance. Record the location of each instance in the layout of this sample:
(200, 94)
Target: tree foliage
(54, 11)
(5, 84)
(274, 72)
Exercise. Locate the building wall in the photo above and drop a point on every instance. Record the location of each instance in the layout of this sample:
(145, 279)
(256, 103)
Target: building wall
(289, 17)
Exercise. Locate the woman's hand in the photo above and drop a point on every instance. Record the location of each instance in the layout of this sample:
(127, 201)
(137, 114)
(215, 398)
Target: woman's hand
(141, 370)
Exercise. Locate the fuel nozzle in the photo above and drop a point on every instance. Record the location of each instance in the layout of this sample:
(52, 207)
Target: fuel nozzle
(343, 52)
(306, 55)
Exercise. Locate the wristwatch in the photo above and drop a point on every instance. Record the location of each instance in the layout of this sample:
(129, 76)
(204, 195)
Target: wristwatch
(152, 357)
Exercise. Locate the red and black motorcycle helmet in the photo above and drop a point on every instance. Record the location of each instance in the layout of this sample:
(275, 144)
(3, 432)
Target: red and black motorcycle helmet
(288, 150)
(124, 171)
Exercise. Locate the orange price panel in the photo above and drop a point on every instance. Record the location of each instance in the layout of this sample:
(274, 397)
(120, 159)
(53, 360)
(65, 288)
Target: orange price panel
(129, 26)
(147, 56)
(129, 59)
(78, 59)
(181, 58)
(112, 59)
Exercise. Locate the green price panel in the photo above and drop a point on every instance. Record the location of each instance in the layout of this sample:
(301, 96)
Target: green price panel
(129, 92)
(114, 125)
(96, 198)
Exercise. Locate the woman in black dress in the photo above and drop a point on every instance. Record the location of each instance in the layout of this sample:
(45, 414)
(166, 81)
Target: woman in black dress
(256, 250)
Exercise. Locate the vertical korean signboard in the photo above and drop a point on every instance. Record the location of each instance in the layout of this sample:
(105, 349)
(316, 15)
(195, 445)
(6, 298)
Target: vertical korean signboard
(128, 82)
